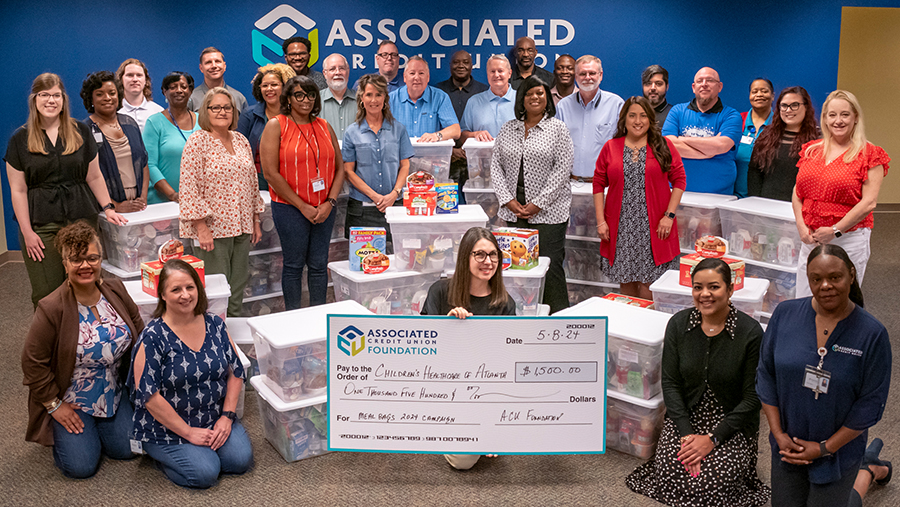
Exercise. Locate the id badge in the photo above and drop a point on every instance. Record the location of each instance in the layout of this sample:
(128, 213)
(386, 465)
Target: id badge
(817, 380)
(318, 185)
(747, 140)
(98, 137)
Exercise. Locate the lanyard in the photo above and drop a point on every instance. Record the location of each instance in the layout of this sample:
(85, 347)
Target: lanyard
(176, 124)
(308, 143)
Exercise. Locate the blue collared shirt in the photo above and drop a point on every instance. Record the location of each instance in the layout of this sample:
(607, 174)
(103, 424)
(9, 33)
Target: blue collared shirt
(487, 111)
(591, 125)
(431, 113)
(377, 156)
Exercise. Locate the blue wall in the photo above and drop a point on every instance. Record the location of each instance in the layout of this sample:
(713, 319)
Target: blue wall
(790, 43)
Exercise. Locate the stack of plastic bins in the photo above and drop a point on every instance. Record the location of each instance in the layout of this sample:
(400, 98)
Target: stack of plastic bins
(526, 286)
(269, 237)
(633, 425)
(487, 199)
(217, 292)
(291, 348)
(108, 270)
(583, 219)
(297, 429)
(396, 291)
(433, 158)
(584, 277)
(671, 297)
(436, 237)
(698, 216)
(478, 158)
(763, 234)
(127, 246)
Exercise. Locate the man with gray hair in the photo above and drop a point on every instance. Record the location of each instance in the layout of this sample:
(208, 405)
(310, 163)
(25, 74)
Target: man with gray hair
(655, 81)
(425, 111)
(591, 115)
(489, 110)
(338, 101)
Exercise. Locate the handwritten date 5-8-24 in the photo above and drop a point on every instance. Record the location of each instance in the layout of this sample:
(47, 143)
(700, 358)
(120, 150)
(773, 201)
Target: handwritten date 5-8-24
(557, 334)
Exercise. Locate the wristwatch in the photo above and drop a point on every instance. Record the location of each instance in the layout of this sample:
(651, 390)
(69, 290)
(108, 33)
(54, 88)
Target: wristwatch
(229, 414)
(109, 205)
(670, 215)
(824, 453)
(440, 136)
(332, 201)
(715, 440)
(837, 233)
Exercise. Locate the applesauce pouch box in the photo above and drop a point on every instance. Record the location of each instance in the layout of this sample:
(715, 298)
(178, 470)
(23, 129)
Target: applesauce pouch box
(518, 247)
(365, 241)
(150, 273)
(447, 198)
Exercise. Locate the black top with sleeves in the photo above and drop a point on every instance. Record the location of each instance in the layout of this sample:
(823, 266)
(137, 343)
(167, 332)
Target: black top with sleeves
(438, 302)
(727, 362)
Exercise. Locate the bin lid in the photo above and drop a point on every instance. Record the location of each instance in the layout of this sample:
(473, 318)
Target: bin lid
(467, 213)
(239, 330)
(753, 292)
(216, 288)
(583, 188)
(119, 272)
(653, 403)
(152, 213)
(245, 362)
(706, 201)
(771, 208)
(449, 143)
(468, 188)
(280, 405)
(475, 143)
(630, 323)
(306, 325)
(342, 268)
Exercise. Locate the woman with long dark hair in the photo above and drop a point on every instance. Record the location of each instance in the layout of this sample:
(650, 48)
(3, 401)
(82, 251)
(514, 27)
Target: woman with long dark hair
(773, 164)
(636, 221)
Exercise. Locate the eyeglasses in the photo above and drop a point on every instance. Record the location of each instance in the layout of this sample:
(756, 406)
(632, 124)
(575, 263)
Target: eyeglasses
(92, 260)
(793, 106)
(482, 256)
(300, 96)
(388, 56)
(219, 109)
(297, 55)
(707, 80)
(54, 96)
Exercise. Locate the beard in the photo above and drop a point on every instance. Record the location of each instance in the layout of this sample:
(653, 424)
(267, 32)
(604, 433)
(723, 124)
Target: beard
(589, 88)
(336, 84)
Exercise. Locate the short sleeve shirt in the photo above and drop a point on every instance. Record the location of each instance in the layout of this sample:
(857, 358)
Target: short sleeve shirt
(377, 156)
(431, 113)
(487, 111)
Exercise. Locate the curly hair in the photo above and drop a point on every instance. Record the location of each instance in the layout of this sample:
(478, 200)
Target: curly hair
(74, 239)
(282, 71)
(95, 81)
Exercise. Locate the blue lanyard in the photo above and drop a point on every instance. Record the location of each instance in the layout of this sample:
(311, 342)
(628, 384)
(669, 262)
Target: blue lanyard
(176, 124)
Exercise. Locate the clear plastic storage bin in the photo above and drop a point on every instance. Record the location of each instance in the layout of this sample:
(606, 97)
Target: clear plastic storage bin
(478, 159)
(254, 307)
(671, 297)
(265, 268)
(239, 331)
(487, 199)
(526, 287)
(697, 216)
(782, 283)
(127, 246)
(245, 362)
(394, 292)
(633, 425)
(432, 158)
(297, 430)
(583, 260)
(583, 219)
(762, 230)
(580, 290)
(291, 348)
(269, 237)
(435, 236)
(107, 270)
(340, 217)
(217, 292)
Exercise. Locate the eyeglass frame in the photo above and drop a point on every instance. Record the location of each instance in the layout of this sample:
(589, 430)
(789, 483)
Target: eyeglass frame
(493, 255)
(385, 55)
(97, 259)
(793, 106)
(218, 109)
(300, 95)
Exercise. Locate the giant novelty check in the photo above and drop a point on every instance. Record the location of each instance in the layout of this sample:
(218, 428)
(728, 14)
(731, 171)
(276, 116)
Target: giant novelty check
(504, 385)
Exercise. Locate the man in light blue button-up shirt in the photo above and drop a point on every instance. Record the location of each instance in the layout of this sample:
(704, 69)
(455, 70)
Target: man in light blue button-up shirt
(489, 110)
(426, 111)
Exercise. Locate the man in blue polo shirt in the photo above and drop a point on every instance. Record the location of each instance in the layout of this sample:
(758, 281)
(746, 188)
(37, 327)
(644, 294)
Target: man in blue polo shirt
(425, 111)
(705, 133)
(489, 110)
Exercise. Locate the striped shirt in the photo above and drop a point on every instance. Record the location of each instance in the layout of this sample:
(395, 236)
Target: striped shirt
(305, 153)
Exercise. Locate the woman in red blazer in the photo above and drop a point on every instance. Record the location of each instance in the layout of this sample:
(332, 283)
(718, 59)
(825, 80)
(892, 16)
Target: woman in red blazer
(636, 223)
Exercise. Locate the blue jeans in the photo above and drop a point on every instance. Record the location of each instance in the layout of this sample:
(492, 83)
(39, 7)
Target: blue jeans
(194, 466)
(302, 244)
(78, 455)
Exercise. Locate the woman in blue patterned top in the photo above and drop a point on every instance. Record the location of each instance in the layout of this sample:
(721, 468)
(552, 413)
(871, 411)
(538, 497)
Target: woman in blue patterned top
(187, 378)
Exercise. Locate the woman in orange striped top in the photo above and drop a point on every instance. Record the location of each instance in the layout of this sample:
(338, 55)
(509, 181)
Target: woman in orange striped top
(302, 162)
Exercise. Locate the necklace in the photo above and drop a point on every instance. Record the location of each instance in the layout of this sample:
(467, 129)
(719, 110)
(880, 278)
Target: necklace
(114, 125)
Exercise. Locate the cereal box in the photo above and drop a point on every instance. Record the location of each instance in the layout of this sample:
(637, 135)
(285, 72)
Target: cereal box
(689, 262)
(150, 273)
(420, 203)
(366, 242)
(519, 247)
(447, 198)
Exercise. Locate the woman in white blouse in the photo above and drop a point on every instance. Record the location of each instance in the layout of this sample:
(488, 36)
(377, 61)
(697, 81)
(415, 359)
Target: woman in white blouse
(532, 161)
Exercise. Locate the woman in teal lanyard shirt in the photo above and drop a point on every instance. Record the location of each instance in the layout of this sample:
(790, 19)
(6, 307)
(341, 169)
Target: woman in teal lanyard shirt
(761, 94)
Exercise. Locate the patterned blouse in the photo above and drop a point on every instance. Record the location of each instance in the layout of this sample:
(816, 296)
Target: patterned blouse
(218, 186)
(194, 383)
(829, 191)
(305, 153)
(101, 345)
(548, 156)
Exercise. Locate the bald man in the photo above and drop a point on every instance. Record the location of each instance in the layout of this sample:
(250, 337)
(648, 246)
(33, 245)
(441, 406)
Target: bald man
(525, 53)
(461, 86)
(705, 132)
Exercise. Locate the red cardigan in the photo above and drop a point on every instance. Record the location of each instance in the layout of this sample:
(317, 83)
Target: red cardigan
(609, 172)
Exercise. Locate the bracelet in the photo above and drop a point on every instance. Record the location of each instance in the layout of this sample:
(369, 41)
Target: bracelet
(601, 223)
(54, 406)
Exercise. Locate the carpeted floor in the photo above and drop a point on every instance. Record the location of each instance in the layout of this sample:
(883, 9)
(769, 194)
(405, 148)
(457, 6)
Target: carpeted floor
(338, 479)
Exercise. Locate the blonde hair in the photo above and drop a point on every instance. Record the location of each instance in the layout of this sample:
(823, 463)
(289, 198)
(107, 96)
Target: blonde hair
(68, 127)
(857, 137)
(203, 112)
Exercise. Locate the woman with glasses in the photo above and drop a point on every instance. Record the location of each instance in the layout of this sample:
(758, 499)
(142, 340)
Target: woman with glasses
(165, 135)
(773, 164)
(54, 179)
(267, 86)
(301, 160)
(759, 116)
(76, 360)
(220, 202)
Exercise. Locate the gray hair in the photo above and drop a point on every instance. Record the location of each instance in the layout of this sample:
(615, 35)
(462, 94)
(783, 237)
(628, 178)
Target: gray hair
(589, 59)
(500, 58)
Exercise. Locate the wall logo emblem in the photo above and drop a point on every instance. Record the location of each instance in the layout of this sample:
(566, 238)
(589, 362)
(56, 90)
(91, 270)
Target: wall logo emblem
(351, 341)
(290, 19)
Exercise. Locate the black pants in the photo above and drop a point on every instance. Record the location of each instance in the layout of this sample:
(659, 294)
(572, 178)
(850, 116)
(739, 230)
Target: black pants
(368, 216)
(552, 244)
(791, 487)
(459, 173)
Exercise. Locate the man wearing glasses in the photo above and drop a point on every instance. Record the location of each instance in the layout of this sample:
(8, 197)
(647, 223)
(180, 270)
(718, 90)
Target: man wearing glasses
(705, 133)
(338, 101)
(524, 67)
(388, 61)
(212, 65)
(296, 54)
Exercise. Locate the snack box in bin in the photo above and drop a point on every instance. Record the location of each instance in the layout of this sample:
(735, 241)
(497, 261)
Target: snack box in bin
(217, 292)
(432, 158)
(782, 283)
(487, 199)
(581, 290)
(239, 331)
(688, 262)
(150, 272)
(269, 238)
(633, 425)
(583, 214)
(672, 297)
(478, 159)
(762, 230)
(629, 300)
(526, 287)
(396, 291)
(245, 362)
(291, 348)
(421, 242)
(127, 246)
(297, 429)
(698, 216)
(634, 346)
